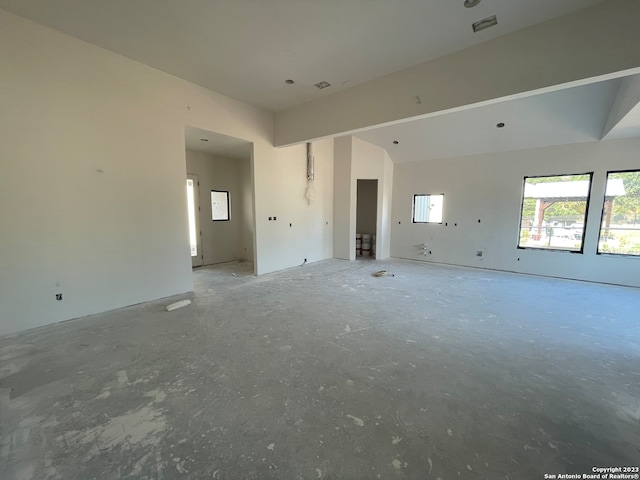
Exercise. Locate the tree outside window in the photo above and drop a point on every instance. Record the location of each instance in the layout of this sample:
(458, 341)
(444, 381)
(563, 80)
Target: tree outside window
(620, 225)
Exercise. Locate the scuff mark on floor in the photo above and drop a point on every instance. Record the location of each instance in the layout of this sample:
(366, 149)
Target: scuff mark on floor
(356, 420)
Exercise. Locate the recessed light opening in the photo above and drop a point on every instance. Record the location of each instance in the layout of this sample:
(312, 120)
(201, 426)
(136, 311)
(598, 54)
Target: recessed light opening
(471, 3)
(289, 81)
(500, 125)
(204, 139)
(396, 142)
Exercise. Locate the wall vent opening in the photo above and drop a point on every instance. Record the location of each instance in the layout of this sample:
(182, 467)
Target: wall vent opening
(485, 23)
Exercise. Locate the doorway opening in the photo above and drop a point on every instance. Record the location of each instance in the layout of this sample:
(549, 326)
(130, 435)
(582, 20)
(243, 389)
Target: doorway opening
(193, 207)
(220, 198)
(366, 218)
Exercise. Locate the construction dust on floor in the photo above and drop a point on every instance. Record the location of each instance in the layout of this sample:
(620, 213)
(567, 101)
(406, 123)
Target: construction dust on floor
(328, 372)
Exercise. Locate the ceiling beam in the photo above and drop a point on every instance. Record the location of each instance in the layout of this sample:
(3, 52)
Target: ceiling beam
(627, 100)
(591, 44)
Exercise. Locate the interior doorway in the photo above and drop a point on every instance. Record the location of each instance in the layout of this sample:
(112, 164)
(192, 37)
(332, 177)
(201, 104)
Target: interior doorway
(366, 218)
(193, 207)
(220, 194)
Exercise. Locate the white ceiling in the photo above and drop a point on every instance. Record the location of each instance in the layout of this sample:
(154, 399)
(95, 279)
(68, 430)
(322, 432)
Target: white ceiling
(572, 115)
(216, 144)
(246, 48)
(629, 126)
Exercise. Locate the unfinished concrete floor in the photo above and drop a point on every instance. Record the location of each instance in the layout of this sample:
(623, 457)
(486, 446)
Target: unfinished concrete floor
(326, 372)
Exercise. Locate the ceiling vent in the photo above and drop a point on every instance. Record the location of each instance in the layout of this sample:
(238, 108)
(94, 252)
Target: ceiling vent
(485, 23)
(322, 85)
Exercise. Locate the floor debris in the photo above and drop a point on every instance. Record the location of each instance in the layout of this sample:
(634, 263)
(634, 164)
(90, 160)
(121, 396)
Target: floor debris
(176, 305)
(383, 273)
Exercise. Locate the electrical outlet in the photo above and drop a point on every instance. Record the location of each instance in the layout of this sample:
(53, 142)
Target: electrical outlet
(58, 296)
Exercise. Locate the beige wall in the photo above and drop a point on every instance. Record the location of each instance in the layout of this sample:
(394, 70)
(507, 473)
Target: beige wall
(342, 211)
(372, 162)
(221, 240)
(246, 247)
(301, 229)
(92, 186)
(489, 188)
(356, 159)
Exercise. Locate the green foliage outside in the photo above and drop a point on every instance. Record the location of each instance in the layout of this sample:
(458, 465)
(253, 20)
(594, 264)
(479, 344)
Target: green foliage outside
(624, 233)
(564, 212)
(627, 209)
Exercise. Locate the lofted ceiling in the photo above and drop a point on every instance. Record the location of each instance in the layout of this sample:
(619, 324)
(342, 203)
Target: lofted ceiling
(246, 49)
(572, 115)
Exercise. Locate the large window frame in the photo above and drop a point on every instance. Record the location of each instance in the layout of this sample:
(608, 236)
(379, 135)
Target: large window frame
(608, 243)
(424, 212)
(567, 235)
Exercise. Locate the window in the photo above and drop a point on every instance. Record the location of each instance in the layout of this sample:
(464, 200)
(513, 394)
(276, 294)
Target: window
(428, 208)
(219, 205)
(191, 212)
(554, 212)
(620, 226)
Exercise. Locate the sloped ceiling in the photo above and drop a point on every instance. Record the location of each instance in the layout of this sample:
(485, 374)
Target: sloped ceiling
(246, 49)
(572, 115)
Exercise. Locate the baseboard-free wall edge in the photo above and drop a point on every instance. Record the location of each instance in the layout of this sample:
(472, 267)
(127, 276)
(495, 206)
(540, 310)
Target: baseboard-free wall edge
(516, 272)
(162, 303)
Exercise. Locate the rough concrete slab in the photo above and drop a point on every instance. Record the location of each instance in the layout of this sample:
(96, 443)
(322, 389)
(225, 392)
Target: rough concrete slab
(327, 372)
